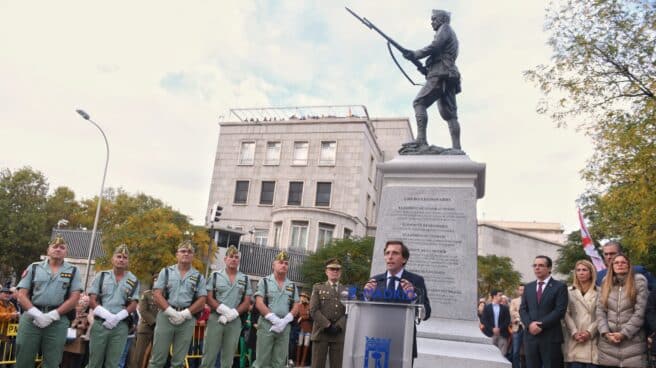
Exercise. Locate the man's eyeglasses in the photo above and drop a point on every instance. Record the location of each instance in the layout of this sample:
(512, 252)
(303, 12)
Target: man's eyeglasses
(537, 265)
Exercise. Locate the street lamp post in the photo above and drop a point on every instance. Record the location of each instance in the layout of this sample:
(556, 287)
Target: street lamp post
(86, 116)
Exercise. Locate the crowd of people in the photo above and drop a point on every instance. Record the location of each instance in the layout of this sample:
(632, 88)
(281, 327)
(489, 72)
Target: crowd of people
(184, 318)
(605, 318)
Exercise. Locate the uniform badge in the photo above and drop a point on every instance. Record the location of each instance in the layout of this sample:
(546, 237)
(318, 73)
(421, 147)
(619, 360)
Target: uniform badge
(67, 275)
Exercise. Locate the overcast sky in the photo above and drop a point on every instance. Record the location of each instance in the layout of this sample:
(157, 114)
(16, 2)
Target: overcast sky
(157, 75)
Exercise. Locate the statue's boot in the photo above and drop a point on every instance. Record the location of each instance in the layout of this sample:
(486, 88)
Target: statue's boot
(422, 122)
(454, 129)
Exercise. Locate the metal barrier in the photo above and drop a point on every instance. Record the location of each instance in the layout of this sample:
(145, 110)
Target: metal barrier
(8, 332)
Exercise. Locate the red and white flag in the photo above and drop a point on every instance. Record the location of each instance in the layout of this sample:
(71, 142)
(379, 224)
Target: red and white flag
(588, 246)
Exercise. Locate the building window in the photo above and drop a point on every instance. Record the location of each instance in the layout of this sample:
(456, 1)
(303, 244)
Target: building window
(372, 168)
(272, 153)
(368, 209)
(347, 233)
(247, 153)
(266, 194)
(295, 193)
(323, 194)
(300, 153)
(299, 234)
(241, 191)
(328, 153)
(261, 236)
(325, 236)
(277, 234)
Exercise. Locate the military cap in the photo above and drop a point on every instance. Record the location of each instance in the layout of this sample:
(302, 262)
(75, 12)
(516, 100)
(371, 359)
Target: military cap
(121, 249)
(333, 263)
(305, 294)
(186, 245)
(232, 250)
(442, 14)
(282, 256)
(59, 239)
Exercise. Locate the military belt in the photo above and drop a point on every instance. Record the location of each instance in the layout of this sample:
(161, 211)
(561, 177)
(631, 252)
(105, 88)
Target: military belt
(46, 308)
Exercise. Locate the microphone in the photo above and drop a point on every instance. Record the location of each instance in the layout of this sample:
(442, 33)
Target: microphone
(83, 114)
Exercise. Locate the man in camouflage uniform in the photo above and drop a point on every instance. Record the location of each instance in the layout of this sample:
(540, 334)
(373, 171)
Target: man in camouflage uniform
(276, 299)
(329, 315)
(228, 295)
(48, 290)
(113, 296)
(179, 293)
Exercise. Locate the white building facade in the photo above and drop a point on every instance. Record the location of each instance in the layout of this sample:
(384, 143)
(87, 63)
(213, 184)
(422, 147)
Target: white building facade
(300, 180)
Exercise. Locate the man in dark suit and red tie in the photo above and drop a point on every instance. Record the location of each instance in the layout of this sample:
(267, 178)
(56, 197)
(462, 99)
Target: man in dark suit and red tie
(544, 304)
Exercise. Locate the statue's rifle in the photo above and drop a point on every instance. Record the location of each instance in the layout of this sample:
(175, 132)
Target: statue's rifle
(420, 67)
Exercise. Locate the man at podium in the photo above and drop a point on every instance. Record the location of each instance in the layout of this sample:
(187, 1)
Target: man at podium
(397, 284)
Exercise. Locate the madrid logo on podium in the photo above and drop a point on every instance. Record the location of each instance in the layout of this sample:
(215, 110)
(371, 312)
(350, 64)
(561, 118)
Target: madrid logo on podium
(376, 354)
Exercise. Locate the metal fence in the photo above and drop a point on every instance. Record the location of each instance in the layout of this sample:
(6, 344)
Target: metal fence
(256, 260)
(8, 332)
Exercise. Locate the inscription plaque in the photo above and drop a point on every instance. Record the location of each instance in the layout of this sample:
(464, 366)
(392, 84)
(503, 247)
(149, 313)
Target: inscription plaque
(438, 224)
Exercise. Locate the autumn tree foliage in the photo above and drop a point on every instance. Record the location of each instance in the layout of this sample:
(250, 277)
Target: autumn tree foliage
(602, 79)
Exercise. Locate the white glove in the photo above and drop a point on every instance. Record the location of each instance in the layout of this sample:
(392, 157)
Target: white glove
(123, 314)
(223, 309)
(111, 322)
(288, 318)
(102, 312)
(278, 327)
(186, 314)
(223, 320)
(175, 317)
(39, 319)
(271, 317)
(232, 315)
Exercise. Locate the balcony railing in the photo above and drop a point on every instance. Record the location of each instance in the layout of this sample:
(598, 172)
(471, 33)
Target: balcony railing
(256, 260)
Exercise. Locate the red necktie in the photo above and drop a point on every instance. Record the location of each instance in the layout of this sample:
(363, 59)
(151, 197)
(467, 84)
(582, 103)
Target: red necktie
(540, 291)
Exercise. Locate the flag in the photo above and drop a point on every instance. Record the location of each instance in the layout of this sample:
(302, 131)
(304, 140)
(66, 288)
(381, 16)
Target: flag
(588, 246)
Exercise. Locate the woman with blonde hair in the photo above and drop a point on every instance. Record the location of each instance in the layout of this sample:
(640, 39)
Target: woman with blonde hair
(581, 318)
(620, 316)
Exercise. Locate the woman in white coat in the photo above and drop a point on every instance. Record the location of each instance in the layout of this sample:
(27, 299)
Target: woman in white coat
(581, 318)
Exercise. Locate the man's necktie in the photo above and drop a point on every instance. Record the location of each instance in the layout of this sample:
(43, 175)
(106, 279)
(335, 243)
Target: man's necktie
(540, 290)
(335, 286)
(391, 283)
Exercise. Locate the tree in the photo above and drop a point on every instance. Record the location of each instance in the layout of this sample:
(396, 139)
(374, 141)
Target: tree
(152, 236)
(603, 77)
(23, 221)
(62, 205)
(496, 273)
(355, 254)
(569, 254)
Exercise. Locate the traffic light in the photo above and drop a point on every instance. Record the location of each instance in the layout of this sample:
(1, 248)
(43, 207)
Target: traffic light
(216, 213)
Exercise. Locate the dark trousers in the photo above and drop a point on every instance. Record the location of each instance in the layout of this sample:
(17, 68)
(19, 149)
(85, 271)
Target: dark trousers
(542, 353)
(517, 338)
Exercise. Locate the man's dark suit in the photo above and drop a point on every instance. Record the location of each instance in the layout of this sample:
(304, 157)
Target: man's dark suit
(420, 291)
(487, 319)
(543, 349)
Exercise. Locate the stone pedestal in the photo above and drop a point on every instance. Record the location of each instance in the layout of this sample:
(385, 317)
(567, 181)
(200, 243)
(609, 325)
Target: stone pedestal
(429, 202)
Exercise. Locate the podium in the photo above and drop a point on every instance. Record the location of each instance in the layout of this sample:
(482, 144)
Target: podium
(378, 334)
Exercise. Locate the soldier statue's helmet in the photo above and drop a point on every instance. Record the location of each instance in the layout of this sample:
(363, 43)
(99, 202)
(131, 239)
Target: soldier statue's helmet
(333, 263)
(122, 249)
(58, 239)
(443, 15)
(282, 256)
(186, 245)
(232, 250)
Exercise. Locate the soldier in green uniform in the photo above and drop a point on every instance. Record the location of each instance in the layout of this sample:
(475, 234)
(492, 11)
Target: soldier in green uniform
(228, 295)
(113, 296)
(179, 292)
(277, 301)
(147, 313)
(47, 291)
(329, 315)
